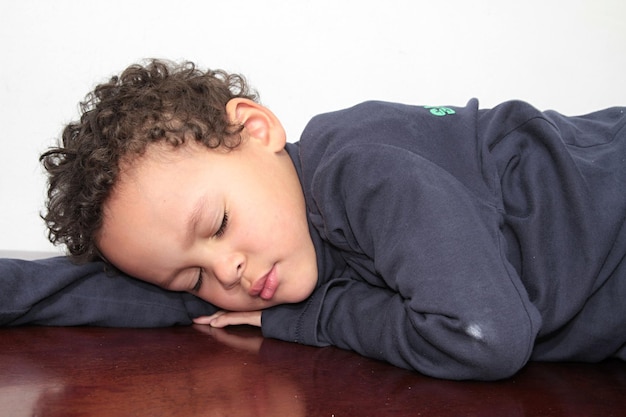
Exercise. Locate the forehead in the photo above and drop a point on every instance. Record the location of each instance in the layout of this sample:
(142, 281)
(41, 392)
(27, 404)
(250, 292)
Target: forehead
(161, 177)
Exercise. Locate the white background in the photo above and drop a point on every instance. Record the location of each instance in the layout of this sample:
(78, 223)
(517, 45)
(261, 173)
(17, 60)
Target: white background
(304, 57)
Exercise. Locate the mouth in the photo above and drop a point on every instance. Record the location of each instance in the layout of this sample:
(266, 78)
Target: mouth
(265, 287)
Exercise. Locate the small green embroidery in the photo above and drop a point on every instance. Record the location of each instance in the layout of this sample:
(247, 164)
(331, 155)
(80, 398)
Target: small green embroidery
(440, 111)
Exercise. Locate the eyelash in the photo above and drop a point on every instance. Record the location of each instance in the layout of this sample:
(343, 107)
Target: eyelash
(196, 287)
(223, 226)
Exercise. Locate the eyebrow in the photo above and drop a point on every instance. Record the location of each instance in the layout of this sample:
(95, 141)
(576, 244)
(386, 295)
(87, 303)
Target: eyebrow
(195, 217)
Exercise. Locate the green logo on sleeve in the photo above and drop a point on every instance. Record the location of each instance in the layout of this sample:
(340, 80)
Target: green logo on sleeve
(440, 111)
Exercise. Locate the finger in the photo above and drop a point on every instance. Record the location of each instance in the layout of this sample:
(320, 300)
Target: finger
(235, 318)
(202, 320)
(206, 320)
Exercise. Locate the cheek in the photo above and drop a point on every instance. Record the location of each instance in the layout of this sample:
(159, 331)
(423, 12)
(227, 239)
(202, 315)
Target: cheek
(277, 229)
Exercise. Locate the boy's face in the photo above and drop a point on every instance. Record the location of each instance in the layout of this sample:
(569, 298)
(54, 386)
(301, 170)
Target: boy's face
(229, 227)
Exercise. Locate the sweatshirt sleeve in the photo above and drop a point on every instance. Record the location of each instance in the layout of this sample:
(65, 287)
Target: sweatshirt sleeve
(441, 298)
(56, 292)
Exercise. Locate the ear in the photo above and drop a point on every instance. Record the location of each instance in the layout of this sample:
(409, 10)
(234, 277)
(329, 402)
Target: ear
(259, 122)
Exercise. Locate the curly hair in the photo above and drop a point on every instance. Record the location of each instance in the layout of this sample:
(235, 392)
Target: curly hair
(157, 102)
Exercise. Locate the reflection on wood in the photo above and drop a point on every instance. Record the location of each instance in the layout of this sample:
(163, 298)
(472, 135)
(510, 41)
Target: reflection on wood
(198, 371)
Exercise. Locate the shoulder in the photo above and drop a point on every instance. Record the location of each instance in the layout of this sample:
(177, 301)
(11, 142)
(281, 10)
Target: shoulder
(361, 116)
(382, 121)
(415, 128)
(381, 138)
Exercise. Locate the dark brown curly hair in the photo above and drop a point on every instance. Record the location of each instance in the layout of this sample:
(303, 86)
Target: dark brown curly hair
(160, 101)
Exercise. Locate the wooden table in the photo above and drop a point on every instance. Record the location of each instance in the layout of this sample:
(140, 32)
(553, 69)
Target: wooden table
(196, 371)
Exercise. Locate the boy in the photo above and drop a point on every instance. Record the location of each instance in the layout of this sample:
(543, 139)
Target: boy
(454, 241)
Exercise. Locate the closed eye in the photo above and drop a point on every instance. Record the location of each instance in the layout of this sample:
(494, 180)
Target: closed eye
(196, 287)
(220, 232)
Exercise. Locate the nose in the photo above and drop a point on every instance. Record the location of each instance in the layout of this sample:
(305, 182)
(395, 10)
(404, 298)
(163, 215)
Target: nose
(228, 269)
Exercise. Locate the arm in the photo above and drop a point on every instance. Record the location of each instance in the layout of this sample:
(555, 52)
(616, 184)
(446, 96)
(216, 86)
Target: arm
(55, 292)
(444, 301)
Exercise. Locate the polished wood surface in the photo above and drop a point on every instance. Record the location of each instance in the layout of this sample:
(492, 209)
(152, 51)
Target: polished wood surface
(196, 371)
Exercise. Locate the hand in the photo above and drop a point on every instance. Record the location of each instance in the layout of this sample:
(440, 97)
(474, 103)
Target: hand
(229, 318)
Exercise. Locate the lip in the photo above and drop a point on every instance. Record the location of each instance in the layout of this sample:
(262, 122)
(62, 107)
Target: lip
(265, 287)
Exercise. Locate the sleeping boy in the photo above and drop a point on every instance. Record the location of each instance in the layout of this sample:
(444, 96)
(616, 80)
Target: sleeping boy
(455, 241)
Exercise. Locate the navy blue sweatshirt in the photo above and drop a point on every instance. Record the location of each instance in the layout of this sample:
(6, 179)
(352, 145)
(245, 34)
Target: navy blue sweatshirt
(462, 242)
